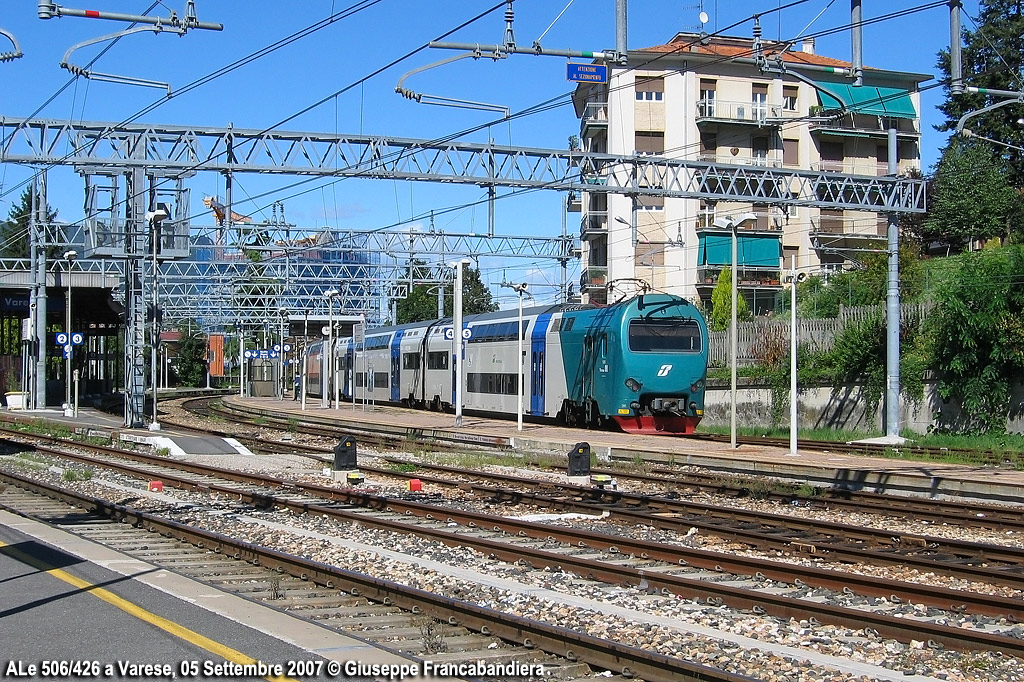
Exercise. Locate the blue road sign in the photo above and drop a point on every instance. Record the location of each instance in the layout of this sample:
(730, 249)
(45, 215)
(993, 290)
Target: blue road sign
(62, 339)
(68, 350)
(77, 338)
(586, 73)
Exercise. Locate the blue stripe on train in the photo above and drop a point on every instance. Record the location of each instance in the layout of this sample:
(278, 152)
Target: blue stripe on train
(396, 366)
(538, 363)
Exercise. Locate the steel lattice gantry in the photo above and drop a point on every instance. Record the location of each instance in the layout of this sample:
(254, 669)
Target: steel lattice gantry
(189, 148)
(138, 152)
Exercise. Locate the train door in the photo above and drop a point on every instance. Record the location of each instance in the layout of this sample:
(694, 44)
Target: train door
(396, 366)
(538, 363)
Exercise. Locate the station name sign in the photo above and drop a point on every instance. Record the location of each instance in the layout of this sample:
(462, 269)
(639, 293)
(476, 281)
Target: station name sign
(586, 73)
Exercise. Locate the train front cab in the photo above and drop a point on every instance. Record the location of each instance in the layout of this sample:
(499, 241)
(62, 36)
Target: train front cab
(656, 384)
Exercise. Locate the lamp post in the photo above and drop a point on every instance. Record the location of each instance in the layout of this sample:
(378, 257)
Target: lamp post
(520, 289)
(329, 354)
(69, 407)
(282, 313)
(457, 338)
(794, 279)
(731, 224)
(154, 218)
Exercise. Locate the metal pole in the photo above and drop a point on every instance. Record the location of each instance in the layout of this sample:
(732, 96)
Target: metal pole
(519, 369)
(241, 361)
(856, 32)
(792, 356)
(733, 332)
(69, 409)
(280, 363)
(892, 313)
(155, 333)
(305, 368)
(620, 31)
(457, 342)
(956, 73)
(325, 401)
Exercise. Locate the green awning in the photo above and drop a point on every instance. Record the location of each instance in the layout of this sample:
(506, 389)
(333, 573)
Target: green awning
(867, 99)
(754, 251)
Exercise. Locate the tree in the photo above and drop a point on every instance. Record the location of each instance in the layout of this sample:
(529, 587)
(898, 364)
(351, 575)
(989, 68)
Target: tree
(991, 58)
(864, 286)
(977, 336)
(971, 195)
(421, 303)
(721, 302)
(191, 361)
(14, 231)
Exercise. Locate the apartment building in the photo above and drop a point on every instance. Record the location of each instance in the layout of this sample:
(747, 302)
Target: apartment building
(706, 99)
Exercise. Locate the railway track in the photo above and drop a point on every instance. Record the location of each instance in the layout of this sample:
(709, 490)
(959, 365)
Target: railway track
(717, 579)
(395, 616)
(973, 561)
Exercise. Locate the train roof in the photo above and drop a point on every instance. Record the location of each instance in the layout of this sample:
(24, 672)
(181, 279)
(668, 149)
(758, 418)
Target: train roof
(509, 314)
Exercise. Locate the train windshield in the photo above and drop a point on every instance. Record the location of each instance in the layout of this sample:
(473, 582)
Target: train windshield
(665, 334)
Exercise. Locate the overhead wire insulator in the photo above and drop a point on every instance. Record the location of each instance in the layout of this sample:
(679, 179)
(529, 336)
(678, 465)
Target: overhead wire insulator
(10, 56)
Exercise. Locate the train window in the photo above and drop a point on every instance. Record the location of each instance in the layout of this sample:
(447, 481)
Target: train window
(556, 326)
(360, 379)
(492, 382)
(568, 324)
(668, 334)
(410, 360)
(380, 379)
(437, 360)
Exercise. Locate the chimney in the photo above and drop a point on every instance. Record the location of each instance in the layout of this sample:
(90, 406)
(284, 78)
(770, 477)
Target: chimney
(808, 45)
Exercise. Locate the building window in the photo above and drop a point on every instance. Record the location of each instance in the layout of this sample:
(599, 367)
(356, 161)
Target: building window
(791, 153)
(789, 97)
(650, 89)
(706, 102)
(651, 203)
(759, 150)
(759, 100)
(650, 144)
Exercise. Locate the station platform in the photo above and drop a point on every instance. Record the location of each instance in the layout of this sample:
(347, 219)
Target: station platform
(832, 469)
(117, 611)
(96, 422)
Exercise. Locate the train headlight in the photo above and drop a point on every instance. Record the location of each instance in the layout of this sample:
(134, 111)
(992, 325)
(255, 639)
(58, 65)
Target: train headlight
(697, 386)
(633, 385)
(635, 406)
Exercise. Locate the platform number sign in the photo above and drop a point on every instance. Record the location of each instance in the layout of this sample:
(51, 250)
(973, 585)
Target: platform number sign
(449, 333)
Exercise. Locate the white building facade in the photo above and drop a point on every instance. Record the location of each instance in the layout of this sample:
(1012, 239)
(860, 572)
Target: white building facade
(710, 102)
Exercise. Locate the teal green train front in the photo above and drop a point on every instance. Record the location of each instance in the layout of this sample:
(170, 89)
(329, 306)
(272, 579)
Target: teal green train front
(642, 363)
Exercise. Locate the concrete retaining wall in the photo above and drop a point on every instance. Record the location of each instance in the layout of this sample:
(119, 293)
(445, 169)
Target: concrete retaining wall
(842, 407)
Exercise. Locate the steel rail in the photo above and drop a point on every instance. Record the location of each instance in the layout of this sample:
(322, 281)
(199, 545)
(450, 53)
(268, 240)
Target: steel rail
(778, 605)
(564, 642)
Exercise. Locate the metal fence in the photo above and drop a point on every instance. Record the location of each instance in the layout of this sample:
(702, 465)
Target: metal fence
(817, 334)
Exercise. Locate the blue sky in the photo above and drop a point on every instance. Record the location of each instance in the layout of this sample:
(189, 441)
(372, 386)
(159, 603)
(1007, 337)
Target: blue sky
(277, 86)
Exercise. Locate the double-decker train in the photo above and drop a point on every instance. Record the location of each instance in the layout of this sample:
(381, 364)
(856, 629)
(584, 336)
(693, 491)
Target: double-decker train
(640, 364)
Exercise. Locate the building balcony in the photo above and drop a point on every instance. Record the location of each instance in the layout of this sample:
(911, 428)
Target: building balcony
(594, 278)
(737, 160)
(721, 111)
(594, 224)
(858, 125)
(770, 222)
(746, 277)
(595, 115)
(860, 228)
(863, 167)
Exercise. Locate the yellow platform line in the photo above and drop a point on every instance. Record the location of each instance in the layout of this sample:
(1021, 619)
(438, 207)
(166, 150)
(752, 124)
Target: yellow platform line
(169, 626)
